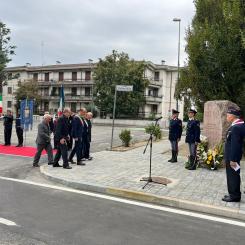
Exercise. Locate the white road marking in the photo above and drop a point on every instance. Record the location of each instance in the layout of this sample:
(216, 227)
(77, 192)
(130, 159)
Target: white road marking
(7, 222)
(135, 203)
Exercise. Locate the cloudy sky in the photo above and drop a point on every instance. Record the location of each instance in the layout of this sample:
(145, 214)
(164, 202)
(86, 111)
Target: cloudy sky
(73, 31)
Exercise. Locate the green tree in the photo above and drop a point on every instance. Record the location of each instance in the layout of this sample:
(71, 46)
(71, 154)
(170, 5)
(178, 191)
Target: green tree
(117, 69)
(28, 90)
(6, 50)
(215, 68)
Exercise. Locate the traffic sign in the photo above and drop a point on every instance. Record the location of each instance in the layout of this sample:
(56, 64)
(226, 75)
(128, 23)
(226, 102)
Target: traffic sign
(124, 88)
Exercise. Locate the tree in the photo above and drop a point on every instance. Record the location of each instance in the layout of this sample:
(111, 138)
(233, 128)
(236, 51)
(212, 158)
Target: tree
(28, 90)
(215, 68)
(6, 50)
(117, 69)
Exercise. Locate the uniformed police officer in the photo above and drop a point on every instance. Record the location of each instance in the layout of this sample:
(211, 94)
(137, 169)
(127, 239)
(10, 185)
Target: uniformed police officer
(19, 131)
(175, 132)
(192, 137)
(8, 124)
(233, 153)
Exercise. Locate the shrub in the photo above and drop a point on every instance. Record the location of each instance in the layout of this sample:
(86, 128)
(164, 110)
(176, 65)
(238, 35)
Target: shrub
(155, 130)
(125, 137)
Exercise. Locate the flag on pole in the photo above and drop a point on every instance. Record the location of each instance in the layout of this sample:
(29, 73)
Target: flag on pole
(1, 104)
(62, 101)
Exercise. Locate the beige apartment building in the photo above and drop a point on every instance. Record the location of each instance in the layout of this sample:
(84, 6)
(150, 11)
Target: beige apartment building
(78, 83)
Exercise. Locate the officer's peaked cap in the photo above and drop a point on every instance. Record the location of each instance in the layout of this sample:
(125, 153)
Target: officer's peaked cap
(174, 111)
(234, 111)
(193, 111)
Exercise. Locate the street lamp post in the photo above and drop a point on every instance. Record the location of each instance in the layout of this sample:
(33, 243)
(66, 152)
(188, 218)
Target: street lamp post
(178, 20)
(91, 65)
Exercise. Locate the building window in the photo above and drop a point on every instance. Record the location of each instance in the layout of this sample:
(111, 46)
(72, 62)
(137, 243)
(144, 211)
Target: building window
(87, 91)
(154, 109)
(73, 106)
(61, 76)
(46, 76)
(157, 76)
(73, 91)
(46, 106)
(35, 76)
(10, 75)
(155, 92)
(46, 92)
(87, 75)
(9, 104)
(74, 76)
(54, 91)
(9, 90)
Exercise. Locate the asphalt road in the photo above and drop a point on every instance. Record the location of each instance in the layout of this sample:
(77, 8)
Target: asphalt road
(50, 216)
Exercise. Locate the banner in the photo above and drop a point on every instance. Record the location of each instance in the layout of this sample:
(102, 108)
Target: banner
(26, 114)
(1, 104)
(62, 101)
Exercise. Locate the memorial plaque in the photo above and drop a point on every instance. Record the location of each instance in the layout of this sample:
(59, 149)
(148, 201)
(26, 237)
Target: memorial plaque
(215, 124)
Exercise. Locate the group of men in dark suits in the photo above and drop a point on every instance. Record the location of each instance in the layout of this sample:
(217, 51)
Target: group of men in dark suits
(8, 120)
(67, 127)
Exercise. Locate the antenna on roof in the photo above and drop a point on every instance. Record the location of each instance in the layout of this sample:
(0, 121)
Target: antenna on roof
(58, 62)
(42, 53)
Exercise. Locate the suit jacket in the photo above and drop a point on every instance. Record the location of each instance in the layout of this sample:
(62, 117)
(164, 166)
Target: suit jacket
(8, 121)
(77, 127)
(234, 143)
(175, 129)
(193, 131)
(43, 134)
(62, 130)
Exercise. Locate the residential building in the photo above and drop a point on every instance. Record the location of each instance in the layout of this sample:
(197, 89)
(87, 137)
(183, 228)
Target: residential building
(78, 85)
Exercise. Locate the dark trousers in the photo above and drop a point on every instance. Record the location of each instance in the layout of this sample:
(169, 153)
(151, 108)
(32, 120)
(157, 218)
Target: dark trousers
(62, 150)
(70, 143)
(77, 149)
(85, 147)
(19, 132)
(233, 181)
(174, 145)
(40, 148)
(192, 149)
(7, 135)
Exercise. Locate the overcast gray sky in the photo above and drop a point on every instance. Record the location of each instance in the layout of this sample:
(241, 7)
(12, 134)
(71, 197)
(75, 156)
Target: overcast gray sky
(72, 31)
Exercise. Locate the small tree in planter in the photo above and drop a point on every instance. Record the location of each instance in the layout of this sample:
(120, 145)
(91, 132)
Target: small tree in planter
(155, 130)
(125, 137)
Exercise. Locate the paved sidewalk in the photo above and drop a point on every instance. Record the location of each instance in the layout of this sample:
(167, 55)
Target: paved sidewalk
(119, 174)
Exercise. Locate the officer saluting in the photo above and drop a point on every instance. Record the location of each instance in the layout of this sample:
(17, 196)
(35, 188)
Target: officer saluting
(192, 138)
(8, 124)
(233, 154)
(175, 132)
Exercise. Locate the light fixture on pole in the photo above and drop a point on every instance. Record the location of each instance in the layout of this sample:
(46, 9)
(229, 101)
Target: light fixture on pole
(90, 61)
(178, 20)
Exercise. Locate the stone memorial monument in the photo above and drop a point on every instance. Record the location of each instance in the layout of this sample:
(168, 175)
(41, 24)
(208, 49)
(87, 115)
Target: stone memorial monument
(215, 124)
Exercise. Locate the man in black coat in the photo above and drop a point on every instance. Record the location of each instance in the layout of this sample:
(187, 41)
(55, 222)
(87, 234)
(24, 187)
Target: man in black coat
(89, 116)
(62, 137)
(233, 154)
(19, 131)
(175, 132)
(8, 124)
(77, 133)
(192, 137)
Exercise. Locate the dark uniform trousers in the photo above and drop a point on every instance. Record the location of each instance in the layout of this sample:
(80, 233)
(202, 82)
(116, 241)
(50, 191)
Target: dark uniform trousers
(62, 150)
(19, 132)
(7, 135)
(86, 148)
(77, 149)
(40, 147)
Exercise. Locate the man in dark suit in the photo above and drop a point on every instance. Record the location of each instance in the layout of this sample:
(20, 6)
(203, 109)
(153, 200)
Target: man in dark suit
(192, 137)
(19, 131)
(8, 124)
(70, 142)
(233, 154)
(175, 132)
(43, 141)
(77, 133)
(62, 137)
(89, 116)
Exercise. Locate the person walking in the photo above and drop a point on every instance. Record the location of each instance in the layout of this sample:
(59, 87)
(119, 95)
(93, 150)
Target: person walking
(8, 124)
(62, 137)
(77, 133)
(43, 141)
(19, 131)
(89, 116)
(233, 154)
(192, 138)
(175, 132)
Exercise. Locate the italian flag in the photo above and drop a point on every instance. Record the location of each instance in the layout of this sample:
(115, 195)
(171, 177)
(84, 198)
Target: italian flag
(1, 104)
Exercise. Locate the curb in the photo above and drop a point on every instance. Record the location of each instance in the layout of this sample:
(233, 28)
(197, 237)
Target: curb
(149, 198)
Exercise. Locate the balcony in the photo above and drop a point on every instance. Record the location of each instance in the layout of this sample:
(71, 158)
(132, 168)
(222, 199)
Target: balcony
(153, 99)
(66, 82)
(69, 98)
(157, 83)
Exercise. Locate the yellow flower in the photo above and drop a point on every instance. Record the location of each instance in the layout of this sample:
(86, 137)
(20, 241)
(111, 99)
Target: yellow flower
(210, 158)
(208, 162)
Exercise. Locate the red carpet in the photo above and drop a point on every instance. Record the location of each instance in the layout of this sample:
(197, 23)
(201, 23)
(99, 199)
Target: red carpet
(26, 151)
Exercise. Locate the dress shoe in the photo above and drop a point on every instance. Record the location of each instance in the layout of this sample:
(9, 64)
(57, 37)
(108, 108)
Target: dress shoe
(36, 165)
(90, 158)
(67, 167)
(72, 162)
(229, 199)
(50, 163)
(81, 163)
(56, 165)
